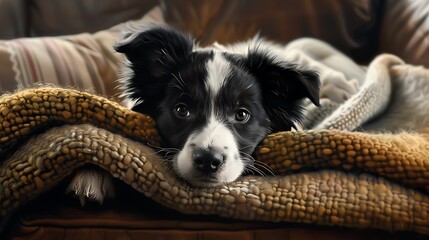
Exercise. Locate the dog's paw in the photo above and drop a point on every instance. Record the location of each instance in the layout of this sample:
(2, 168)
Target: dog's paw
(91, 185)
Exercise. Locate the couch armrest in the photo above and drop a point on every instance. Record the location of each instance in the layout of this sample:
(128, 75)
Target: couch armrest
(404, 31)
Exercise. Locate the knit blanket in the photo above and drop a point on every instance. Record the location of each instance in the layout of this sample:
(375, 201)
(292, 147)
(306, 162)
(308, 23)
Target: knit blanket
(335, 171)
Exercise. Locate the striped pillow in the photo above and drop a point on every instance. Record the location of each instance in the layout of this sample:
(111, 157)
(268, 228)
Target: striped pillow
(84, 61)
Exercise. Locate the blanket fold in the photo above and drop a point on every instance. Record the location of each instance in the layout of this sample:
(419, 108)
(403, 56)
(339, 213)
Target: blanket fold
(326, 197)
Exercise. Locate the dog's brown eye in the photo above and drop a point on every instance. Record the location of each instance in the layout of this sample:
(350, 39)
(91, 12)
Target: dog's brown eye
(181, 110)
(242, 115)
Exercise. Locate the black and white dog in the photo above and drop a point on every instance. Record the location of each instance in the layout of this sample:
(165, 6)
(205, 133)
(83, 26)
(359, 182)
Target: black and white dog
(213, 104)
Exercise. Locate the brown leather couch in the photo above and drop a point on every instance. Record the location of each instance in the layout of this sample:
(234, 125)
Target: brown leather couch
(360, 28)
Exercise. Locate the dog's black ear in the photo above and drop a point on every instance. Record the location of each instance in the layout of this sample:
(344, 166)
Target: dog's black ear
(283, 87)
(152, 54)
(157, 49)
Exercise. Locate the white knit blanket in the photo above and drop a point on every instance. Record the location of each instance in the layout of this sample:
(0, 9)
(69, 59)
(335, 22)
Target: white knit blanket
(387, 95)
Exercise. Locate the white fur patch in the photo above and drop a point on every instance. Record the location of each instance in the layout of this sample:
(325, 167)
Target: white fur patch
(217, 71)
(92, 185)
(215, 135)
(124, 85)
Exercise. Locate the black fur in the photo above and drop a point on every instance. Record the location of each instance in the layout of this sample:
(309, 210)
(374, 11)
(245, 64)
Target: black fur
(283, 86)
(154, 54)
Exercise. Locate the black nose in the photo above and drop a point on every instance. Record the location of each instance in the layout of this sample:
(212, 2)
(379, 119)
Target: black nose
(207, 161)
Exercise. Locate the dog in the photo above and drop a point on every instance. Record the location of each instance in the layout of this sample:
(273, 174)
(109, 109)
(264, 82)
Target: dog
(213, 104)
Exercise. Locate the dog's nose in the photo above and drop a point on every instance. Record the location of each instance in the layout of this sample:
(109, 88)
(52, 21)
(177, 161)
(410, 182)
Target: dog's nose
(207, 161)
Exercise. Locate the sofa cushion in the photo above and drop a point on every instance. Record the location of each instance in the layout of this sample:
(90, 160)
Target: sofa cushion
(83, 61)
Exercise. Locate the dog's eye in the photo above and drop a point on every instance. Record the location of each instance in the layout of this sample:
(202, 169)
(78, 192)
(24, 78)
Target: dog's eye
(181, 110)
(242, 115)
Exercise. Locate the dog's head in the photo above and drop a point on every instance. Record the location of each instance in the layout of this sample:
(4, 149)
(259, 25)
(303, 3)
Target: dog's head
(214, 106)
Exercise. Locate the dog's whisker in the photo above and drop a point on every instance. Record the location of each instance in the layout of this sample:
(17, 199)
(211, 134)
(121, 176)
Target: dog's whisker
(254, 169)
(168, 152)
(247, 155)
(170, 169)
(259, 170)
(163, 162)
(265, 167)
(152, 154)
(245, 147)
(163, 148)
(168, 155)
(248, 171)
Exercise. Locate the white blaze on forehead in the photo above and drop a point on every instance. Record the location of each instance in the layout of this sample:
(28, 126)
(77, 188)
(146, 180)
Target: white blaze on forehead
(214, 134)
(218, 69)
